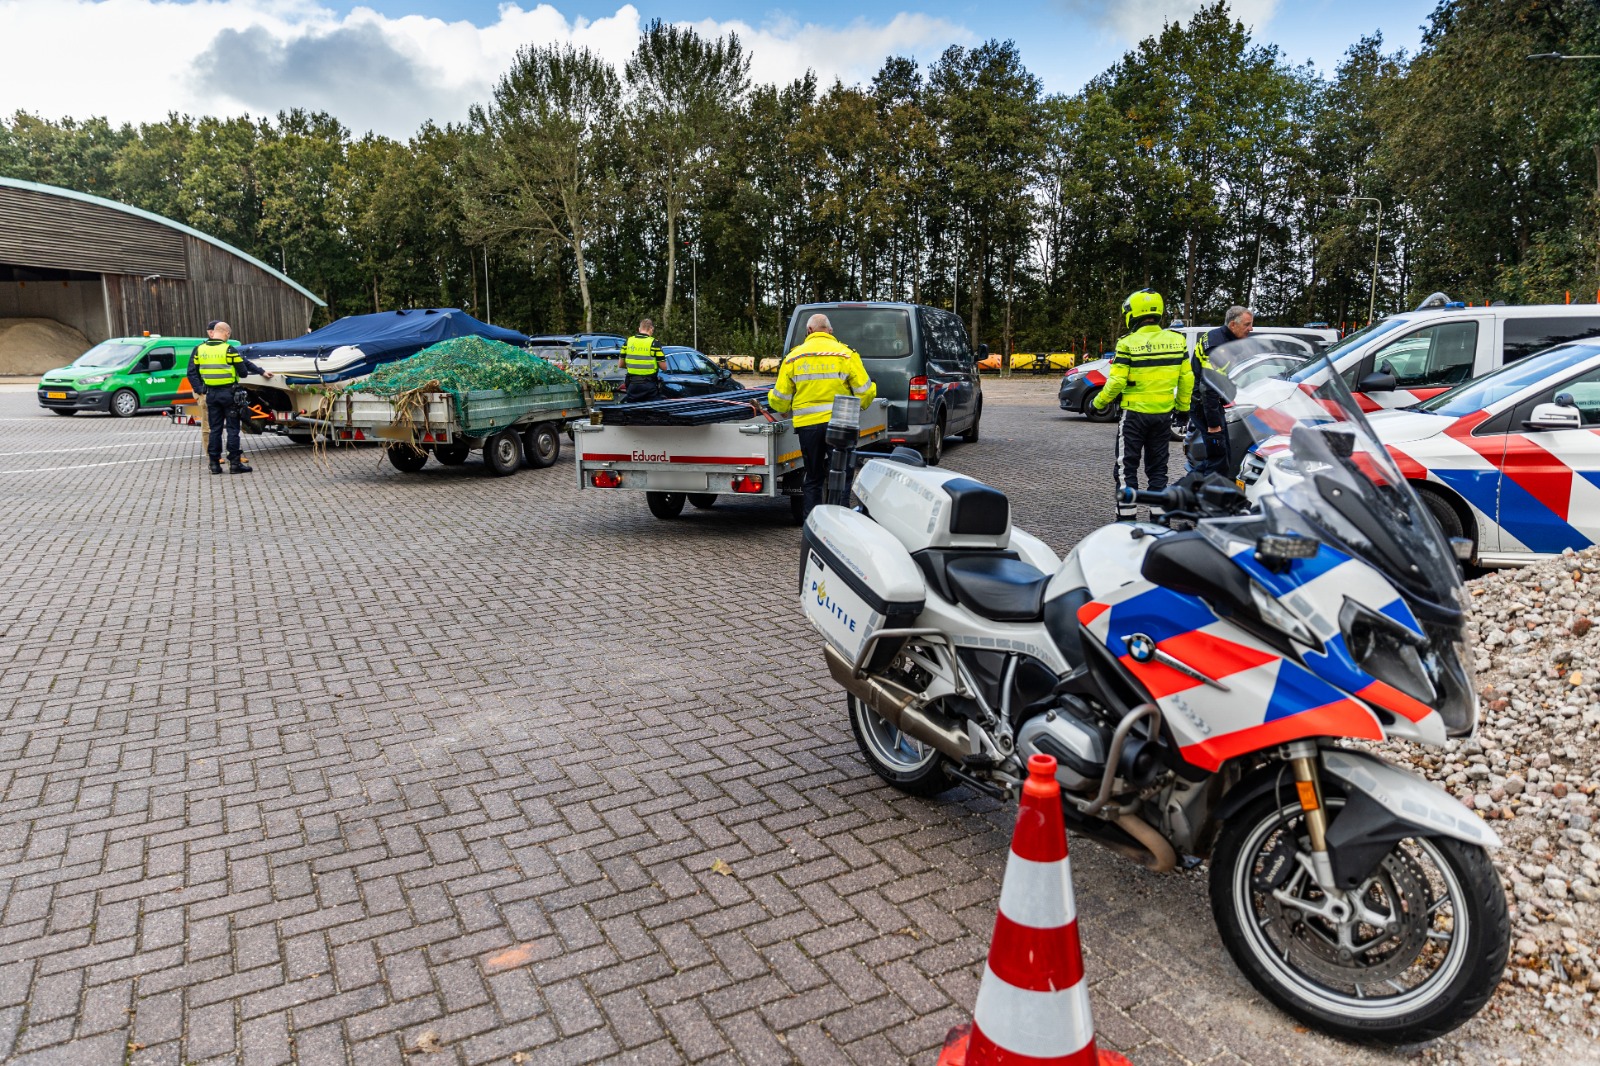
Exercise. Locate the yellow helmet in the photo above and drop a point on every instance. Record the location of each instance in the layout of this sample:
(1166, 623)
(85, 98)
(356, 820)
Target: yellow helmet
(1141, 304)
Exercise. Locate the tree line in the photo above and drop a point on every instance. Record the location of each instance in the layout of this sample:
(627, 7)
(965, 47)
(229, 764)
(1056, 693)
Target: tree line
(1202, 163)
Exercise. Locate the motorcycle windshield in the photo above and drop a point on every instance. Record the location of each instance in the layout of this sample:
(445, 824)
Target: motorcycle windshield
(1338, 483)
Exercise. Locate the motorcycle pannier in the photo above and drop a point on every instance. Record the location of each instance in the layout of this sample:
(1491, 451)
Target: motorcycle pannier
(857, 580)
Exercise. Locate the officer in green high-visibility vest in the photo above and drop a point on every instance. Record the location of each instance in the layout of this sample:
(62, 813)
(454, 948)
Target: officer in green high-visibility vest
(642, 358)
(1151, 375)
(218, 363)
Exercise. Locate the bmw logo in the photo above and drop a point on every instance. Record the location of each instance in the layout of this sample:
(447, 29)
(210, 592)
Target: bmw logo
(1141, 647)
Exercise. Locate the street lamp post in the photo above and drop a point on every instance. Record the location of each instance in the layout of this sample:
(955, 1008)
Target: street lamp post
(1377, 242)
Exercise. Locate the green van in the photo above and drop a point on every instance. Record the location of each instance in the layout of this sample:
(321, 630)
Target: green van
(122, 375)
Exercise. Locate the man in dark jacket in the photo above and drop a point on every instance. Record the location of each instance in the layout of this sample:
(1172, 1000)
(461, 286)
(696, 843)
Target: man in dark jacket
(218, 363)
(1207, 422)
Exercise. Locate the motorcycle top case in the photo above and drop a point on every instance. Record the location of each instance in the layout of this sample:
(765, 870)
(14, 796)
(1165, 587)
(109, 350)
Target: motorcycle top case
(924, 507)
(856, 580)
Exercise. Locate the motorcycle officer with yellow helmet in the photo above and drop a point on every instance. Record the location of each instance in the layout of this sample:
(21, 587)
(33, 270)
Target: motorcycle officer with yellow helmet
(1151, 374)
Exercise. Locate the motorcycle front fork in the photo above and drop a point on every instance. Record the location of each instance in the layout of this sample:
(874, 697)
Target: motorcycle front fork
(1303, 759)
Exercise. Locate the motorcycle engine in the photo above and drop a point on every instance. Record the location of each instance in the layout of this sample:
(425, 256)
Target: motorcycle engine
(1070, 734)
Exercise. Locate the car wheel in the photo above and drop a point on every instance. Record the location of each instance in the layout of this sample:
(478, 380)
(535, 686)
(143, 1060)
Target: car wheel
(502, 453)
(452, 454)
(665, 504)
(543, 445)
(934, 451)
(405, 457)
(1447, 517)
(703, 500)
(971, 434)
(124, 403)
(1093, 414)
(63, 412)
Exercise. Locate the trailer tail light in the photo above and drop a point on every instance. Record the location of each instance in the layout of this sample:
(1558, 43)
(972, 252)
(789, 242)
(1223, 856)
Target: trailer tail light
(606, 479)
(352, 434)
(747, 483)
(919, 388)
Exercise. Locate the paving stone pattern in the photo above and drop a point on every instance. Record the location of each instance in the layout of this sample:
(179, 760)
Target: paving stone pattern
(333, 764)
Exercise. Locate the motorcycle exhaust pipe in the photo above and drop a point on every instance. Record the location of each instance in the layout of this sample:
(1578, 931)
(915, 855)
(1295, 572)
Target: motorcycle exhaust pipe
(891, 701)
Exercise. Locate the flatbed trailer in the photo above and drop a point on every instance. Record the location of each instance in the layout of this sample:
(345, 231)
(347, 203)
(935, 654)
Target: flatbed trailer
(507, 427)
(757, 455)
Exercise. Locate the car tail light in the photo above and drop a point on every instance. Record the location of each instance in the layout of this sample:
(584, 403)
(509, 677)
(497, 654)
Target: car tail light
(606, 479)
(747, 483)
(919, 388)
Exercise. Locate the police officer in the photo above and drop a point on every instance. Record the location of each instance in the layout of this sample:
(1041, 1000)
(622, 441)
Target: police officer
(218, 362)
(1208, 424)
(641, 358)
(812, 374)
(1151, 373)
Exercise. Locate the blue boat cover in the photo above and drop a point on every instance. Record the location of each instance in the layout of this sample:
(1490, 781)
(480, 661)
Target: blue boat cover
(383, 337)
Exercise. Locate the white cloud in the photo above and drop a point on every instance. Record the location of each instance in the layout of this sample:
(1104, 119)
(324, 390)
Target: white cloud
(136, 60)
(1134, 20)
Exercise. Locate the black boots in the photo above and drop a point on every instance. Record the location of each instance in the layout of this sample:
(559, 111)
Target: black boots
(216, 466)
(239, 466)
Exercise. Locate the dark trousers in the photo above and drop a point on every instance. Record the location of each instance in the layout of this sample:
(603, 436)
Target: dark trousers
(1215, 444)
(815, 453)
(642, 388)
(1141, 438)
(222, 411)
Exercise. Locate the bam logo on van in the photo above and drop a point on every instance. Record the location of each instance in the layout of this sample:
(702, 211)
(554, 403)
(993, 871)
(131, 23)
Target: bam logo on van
(820, 590)
(648, 457)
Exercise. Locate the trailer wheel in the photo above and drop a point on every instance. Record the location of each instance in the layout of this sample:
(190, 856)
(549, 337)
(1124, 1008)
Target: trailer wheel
(542, 443)
(405, 457)
(502, 453)
(703, 500)
(452, 454)
(665, 504)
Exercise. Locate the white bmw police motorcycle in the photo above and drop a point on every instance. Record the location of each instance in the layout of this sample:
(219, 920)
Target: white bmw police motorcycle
(1199, 691)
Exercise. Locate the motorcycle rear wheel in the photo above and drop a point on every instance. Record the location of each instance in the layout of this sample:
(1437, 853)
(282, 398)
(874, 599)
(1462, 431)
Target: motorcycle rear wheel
(904, 762)
(1428, 969)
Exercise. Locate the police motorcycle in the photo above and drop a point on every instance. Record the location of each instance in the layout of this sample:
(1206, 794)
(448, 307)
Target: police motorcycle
(1202, 692)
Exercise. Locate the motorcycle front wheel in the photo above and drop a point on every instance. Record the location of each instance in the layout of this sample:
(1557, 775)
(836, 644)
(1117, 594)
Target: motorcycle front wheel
(1423, 945)
(904, 762)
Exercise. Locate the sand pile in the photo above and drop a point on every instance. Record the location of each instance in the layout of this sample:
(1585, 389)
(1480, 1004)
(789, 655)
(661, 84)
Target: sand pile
(34, 345)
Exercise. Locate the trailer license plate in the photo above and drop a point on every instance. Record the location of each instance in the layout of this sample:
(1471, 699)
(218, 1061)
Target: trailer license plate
(55, 396)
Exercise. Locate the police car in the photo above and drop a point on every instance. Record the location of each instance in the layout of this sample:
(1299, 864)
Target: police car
(1510, 460)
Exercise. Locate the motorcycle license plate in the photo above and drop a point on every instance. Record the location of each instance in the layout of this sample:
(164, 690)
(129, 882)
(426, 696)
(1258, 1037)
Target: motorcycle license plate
(55, 396)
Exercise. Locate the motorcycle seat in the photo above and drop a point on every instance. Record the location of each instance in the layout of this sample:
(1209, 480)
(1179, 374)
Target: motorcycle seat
(998, 588)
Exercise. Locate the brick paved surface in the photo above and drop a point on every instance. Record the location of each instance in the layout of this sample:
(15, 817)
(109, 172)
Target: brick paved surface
(333, 764)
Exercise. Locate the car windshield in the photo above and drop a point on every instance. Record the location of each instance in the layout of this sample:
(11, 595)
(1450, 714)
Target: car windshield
(108, 353)
(1479, 393)
(874, 332)
(1314, 363)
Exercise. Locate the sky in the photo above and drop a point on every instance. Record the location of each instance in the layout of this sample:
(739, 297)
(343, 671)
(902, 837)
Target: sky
(389, 65)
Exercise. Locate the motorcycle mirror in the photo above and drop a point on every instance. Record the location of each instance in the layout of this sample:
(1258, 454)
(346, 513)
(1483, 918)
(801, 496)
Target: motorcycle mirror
(1278, 550)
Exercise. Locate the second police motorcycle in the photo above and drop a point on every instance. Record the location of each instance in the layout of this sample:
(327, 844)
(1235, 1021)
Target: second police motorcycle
(1207, 694)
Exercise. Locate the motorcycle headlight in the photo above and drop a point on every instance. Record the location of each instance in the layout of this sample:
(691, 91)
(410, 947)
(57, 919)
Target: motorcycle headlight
(94, 380)
(1280, 617)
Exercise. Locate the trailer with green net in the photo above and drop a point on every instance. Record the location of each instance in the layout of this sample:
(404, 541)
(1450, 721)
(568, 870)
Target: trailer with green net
(458, 397)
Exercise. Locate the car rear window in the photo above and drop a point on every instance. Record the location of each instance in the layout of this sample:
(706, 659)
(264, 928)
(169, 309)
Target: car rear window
(1524, 336)
(874, 332)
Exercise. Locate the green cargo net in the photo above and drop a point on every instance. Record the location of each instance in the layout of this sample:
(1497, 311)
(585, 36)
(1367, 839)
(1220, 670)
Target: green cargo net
(464, 365)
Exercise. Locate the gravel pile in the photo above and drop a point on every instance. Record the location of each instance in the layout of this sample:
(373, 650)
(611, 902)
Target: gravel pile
(1533, 772)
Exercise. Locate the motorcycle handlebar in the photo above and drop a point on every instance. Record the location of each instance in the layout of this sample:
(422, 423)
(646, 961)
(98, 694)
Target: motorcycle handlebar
(1175, 498)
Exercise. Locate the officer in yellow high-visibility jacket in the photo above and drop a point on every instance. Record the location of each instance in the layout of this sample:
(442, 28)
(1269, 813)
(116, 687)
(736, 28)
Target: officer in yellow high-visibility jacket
(218, 363)
(1152, 376)
(812, 374)
(641, 359)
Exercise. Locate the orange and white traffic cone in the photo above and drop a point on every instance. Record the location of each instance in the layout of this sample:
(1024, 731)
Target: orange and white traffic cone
(1033, 1004)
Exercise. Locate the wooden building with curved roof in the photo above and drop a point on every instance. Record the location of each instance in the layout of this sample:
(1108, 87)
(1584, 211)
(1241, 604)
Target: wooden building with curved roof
(110, 270)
